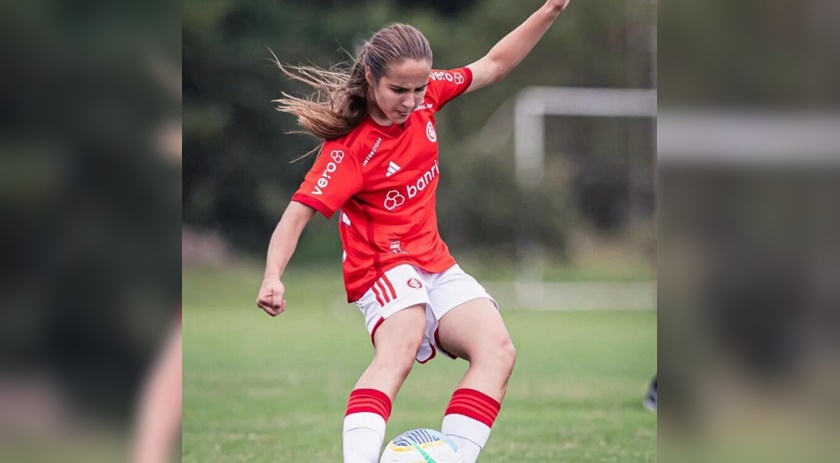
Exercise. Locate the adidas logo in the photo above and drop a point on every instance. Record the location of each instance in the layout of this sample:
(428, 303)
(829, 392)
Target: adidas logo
(392, 168)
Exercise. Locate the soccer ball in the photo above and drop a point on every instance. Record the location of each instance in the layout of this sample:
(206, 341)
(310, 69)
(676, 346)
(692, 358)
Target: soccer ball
(421, 446)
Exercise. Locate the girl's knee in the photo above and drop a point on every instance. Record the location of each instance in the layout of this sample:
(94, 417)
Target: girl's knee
(506, 353)
(398, 363)
(399, 358)
(497, 353)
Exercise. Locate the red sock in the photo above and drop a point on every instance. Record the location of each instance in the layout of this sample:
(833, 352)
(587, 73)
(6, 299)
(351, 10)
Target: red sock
(370, 401)
(367, 414)
(474, 404)
(468, 420)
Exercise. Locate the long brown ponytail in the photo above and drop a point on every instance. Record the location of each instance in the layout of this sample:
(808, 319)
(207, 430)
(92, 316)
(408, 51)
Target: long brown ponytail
(340, 100)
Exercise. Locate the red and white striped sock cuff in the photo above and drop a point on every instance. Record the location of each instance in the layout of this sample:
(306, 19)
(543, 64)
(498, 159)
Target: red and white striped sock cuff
(369, 401)
(474, 404)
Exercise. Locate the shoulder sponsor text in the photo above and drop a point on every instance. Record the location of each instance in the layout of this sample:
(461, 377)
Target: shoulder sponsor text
(455, 77)
(336, 157)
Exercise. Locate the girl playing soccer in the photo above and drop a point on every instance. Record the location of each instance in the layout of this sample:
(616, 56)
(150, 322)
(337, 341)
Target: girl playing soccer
(378, 168)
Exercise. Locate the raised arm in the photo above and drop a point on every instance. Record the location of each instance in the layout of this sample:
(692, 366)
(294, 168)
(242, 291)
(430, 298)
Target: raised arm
(283, 243)
(514, 47)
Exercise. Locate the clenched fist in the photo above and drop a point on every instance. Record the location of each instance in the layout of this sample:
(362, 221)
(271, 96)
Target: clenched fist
(270, 297)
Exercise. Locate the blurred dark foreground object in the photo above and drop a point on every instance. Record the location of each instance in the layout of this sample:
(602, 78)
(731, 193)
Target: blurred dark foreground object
(90, 207)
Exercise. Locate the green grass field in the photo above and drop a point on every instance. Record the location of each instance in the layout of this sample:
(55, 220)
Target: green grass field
(273, 390)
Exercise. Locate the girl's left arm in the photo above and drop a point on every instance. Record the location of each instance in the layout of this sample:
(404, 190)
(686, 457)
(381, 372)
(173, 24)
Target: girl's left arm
(514, 47)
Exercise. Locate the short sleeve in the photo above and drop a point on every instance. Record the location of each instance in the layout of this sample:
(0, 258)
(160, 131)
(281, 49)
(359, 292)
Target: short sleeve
(334, 178)
(447, 85)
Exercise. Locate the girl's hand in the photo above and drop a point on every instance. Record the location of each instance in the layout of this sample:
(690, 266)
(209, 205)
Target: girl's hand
(270, 297)
(558, 5)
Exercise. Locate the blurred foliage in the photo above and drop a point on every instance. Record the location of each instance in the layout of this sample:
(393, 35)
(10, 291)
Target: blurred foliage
(752, 53)
(238, 177)
(90, 207)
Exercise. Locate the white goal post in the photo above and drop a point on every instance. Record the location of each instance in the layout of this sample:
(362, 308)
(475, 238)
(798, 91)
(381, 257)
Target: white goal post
(531, 106)
(711, 137)
(729, 137)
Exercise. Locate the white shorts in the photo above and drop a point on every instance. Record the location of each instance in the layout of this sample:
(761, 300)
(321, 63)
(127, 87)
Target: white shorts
(405, 286)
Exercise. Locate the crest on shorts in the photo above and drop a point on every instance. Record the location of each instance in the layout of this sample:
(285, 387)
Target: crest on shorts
(414, 283)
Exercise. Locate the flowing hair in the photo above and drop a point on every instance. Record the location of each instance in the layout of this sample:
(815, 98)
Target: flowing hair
(339, 101)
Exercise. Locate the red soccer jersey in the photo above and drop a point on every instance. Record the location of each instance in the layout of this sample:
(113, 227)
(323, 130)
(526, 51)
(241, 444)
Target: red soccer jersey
(384, 181)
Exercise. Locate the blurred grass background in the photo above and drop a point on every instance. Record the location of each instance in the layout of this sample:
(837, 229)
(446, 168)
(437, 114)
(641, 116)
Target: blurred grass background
(263, 389)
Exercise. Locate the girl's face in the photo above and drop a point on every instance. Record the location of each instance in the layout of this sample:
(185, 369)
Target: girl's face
(399, 91)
